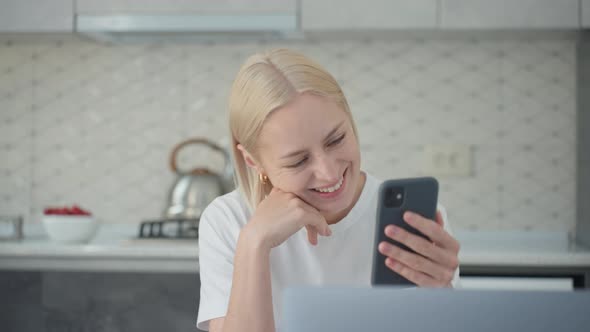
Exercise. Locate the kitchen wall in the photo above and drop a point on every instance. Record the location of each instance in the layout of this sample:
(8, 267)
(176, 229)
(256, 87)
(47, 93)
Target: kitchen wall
(93, 124)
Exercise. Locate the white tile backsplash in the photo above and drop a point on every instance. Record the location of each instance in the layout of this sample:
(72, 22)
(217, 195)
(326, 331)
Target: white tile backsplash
(94, 124)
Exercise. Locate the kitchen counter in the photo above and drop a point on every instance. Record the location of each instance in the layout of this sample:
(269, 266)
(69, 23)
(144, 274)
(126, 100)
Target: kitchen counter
(115, 248)
(520, 248)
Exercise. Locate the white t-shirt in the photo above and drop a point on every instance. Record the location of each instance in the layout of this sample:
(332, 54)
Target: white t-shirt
(344, 258)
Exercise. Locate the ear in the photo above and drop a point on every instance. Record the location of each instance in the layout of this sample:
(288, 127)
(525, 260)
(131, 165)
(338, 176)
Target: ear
(249, 159)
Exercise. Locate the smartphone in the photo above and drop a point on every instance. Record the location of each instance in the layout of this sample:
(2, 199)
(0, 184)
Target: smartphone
(418, 195)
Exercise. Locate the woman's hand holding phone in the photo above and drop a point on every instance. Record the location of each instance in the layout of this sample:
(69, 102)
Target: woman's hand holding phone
(281, 215)
(434, 263)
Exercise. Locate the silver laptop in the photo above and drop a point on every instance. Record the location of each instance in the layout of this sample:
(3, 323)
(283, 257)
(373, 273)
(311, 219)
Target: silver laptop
(438, 310)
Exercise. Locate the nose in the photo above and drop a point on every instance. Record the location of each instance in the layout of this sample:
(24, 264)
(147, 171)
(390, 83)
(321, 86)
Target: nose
(326, 169)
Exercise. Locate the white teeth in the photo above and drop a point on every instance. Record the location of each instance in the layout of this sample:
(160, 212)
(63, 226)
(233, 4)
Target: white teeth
(331, 189)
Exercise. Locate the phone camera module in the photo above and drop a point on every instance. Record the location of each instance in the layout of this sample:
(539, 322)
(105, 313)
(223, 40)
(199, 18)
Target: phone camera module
(394, 197)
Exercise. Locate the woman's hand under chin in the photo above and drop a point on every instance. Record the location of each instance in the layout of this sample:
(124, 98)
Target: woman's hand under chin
(434, 263)
(281, 215)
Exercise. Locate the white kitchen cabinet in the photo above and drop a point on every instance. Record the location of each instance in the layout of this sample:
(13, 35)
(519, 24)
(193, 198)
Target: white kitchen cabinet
(36, 16)
(369, 14)
(585, 13)
(184, 6)
(126, 20)
(509, 14)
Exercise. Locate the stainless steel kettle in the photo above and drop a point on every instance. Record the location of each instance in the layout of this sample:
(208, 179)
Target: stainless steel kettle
(193, 190)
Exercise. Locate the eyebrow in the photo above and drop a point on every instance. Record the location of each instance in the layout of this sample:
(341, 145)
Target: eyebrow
(298, 152)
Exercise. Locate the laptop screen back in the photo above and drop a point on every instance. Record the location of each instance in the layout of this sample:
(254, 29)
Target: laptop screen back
(439, 310)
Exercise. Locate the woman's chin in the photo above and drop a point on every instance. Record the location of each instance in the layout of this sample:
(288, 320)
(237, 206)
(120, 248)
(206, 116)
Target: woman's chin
(337, 209)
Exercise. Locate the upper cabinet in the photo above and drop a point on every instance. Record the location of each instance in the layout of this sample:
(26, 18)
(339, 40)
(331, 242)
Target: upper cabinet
(441, 14)
(116, 20)
(183, 6)
(309, 15)
(36, 16)
(510, 14)
(368, 14)
(585, 17)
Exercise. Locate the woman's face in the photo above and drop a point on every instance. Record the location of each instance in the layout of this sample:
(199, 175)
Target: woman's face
(308, 148)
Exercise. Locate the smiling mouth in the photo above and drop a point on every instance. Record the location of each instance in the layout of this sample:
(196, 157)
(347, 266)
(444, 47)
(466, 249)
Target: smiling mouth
(331, 189)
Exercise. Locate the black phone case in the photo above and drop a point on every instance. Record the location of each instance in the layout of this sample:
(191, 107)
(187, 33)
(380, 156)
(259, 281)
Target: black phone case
(420, 196)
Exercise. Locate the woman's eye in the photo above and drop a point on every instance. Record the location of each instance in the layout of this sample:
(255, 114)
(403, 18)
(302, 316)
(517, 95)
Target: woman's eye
(301, 162)
(336, 141)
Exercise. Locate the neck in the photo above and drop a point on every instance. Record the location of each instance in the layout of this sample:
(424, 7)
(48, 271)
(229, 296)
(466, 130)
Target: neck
(336, 217)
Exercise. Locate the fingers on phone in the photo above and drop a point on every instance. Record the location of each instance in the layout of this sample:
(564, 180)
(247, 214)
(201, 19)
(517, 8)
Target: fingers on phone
(419, 263)
(439, 218)
(432, 230)
(414, 242)
(419, 278)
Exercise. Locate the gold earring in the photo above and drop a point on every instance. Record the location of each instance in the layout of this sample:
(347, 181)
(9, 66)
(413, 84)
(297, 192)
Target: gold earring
(263, 178)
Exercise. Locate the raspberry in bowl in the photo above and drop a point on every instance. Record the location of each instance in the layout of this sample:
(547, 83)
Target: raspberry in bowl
(69, 224)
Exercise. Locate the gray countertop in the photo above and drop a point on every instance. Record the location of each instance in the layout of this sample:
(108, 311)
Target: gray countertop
(116, 248)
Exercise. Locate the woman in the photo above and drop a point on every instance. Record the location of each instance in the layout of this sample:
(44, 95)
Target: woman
(297, 159)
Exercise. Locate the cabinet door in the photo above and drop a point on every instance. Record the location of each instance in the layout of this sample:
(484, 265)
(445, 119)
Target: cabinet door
(36, 16)
(184, 6)
(510, 14)
(585, 17)
(368, 14)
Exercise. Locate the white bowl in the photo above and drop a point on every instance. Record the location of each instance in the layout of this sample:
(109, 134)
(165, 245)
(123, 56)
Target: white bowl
(70, 228)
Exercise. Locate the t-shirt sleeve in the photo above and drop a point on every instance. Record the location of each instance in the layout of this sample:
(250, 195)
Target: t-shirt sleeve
(217, 240)
(456, 280)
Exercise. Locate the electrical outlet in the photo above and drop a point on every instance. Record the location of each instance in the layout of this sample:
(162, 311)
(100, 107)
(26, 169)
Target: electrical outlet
(447, 160)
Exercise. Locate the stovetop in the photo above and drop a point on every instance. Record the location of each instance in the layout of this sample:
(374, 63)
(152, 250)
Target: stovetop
(169, 228)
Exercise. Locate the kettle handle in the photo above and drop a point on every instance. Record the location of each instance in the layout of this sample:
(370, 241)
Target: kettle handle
(191, 141)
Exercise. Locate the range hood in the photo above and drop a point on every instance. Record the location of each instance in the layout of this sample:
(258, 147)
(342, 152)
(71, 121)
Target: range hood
(131, 28)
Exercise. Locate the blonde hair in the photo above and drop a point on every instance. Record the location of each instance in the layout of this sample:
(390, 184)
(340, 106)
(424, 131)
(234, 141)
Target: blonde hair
(267, 81)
